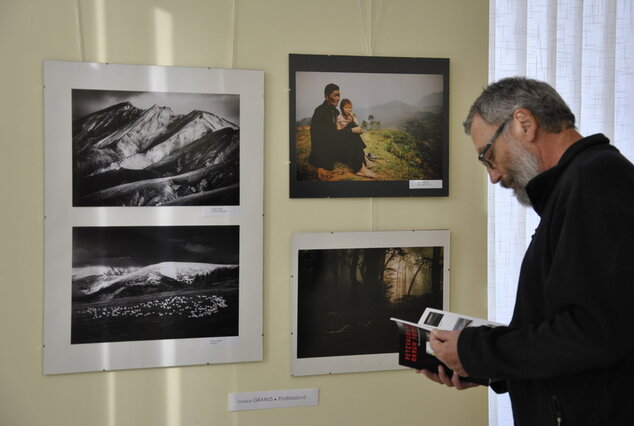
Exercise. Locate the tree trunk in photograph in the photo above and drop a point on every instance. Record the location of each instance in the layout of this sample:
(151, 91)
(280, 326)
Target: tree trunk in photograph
(436, 274)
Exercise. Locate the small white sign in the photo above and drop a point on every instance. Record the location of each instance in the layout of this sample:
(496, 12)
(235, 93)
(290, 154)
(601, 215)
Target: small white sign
(273, 399)
(221, 211)
(220, 341)
(425, 184)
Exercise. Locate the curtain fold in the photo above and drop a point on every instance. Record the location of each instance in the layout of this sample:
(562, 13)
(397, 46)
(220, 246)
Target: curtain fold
(585, 49)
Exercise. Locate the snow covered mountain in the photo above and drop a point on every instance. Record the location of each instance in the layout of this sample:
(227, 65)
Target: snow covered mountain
(123, 144)
(97, 125)
(140, 133)
(136, 156)
(94, 283)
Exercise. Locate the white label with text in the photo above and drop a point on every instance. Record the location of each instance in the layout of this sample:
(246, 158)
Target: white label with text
(273, 399)
(220, 341)
(215, 211)
(425, 184)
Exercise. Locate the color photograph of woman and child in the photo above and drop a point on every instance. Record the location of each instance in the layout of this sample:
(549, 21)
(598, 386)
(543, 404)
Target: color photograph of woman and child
(368, 127)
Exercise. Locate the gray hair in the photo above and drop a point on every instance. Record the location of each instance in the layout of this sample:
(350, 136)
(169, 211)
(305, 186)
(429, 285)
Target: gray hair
(498, 101)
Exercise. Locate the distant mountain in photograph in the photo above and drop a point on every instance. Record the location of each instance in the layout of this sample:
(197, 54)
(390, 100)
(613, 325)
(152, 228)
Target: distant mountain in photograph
(102, 283)
(127, 156)
(394, 114)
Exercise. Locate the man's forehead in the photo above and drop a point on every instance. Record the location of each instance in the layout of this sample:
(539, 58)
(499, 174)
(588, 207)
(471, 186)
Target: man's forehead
(480, 131)
(478, 122)
(478, 126)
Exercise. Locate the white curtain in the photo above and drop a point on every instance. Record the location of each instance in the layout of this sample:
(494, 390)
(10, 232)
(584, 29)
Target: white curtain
(585, 49)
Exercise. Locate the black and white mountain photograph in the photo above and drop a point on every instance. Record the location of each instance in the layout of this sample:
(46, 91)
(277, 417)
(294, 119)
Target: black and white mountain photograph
(155, 148)
(154, 282)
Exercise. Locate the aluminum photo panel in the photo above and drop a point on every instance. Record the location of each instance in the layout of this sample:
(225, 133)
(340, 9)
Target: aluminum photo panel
(348, 285)
(153, 229)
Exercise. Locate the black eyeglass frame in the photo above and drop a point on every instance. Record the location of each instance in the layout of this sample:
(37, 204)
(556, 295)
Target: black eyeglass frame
(484, 150)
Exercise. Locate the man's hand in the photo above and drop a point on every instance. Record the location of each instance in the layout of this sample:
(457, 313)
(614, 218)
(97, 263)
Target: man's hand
(444, 343)
(445, 346)
(442, 378)
(357, 130)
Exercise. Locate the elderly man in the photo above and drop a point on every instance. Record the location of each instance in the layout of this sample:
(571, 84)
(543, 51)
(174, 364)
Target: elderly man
(566, 358)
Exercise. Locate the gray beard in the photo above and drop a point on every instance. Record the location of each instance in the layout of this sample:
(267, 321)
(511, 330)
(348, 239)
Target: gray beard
(523, 167)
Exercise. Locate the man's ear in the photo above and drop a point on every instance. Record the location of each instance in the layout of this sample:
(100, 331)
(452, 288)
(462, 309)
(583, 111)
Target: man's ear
(524, 125)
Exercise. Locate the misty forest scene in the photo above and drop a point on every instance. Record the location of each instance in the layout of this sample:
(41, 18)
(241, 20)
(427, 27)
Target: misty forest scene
(404, 142)
(347, 296)
(125, 155)
(153, 283)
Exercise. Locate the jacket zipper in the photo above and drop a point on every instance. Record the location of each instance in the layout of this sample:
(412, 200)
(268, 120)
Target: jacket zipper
(558, 416)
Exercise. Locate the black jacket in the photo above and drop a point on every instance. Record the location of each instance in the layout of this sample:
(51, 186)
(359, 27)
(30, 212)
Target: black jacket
(569, 349)
(323, 136)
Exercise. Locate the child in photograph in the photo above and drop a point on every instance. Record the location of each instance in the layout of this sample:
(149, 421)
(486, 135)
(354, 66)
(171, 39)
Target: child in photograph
(352, 144)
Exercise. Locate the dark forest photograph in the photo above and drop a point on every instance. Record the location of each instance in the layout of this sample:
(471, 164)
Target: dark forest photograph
(347, 296)
(153, 283)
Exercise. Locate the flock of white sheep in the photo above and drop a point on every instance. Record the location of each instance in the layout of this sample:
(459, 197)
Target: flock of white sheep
(190, 306)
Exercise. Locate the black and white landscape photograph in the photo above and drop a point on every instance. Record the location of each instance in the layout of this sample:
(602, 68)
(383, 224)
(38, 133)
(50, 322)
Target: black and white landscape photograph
(153, 283)
(146, 148)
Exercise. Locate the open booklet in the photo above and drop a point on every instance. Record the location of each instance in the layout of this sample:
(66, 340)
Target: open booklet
(414, 348)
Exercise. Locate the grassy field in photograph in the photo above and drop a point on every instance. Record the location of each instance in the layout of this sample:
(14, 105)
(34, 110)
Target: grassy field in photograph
(396, 157)
(173, 315)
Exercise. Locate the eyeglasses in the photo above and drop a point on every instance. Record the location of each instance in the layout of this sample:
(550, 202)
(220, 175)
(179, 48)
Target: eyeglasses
(481, 154)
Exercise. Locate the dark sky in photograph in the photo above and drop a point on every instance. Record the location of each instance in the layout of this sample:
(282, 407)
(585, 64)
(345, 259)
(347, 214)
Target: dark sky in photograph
(86, 101)
(118, 245)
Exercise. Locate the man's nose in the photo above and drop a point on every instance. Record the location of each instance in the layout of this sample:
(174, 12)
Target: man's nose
(494, 175)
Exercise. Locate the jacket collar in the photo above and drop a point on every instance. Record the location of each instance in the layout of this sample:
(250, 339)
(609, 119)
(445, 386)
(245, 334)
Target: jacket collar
(542, 185)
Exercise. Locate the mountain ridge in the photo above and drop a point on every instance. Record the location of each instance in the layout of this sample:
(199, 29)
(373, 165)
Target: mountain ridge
(101, 282)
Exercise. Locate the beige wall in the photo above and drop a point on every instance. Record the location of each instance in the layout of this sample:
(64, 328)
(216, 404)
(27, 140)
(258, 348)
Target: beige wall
(201, 34)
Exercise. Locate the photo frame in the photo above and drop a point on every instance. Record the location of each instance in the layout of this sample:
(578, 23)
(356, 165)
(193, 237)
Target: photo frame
(390, 140)
(347, 286)
(153, 216)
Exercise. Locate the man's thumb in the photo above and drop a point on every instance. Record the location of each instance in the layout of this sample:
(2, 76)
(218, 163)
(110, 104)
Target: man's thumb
(439, 334)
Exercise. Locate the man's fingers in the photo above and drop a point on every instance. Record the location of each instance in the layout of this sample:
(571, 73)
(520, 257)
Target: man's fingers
(461, 371)
(436, 340)
(459, 384)
(439, 334)
(444, 377)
